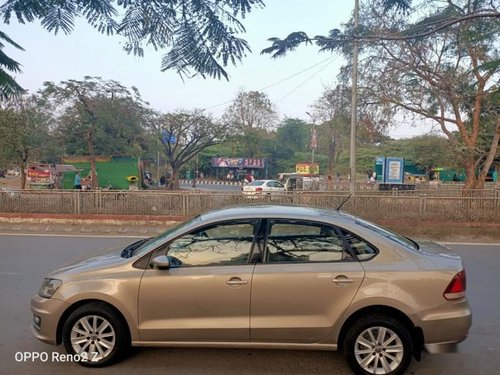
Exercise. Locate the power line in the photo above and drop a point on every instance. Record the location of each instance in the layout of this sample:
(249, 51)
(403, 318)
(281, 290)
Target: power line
(307, 80)
(282, 80)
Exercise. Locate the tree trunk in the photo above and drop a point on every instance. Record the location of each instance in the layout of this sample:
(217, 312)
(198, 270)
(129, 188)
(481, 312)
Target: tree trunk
(490, 158)
(331, 163)
(90, 144)
(174, 181)
(470, 171)
(23, 175)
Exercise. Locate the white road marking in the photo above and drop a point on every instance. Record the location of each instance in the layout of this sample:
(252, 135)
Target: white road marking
(68, 235)
(10, 273)
(471, 243)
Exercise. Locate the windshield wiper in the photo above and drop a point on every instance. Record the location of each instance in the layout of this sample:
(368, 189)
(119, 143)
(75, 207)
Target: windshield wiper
(130, 249)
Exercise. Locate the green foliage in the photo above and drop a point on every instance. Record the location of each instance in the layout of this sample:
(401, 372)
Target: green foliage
(113, 113)
(24, 130)
(201, 35)
(9, 88)
(293, 135)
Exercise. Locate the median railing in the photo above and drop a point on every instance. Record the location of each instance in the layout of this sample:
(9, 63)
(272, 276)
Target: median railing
(412, 206)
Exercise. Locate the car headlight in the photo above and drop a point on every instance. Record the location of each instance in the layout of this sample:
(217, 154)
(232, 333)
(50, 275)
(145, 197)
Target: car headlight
(49, 287)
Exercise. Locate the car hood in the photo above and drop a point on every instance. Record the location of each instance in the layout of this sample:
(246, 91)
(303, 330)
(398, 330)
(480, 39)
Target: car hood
(97, 261)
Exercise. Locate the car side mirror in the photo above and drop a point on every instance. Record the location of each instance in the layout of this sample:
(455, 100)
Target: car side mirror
(161, 262)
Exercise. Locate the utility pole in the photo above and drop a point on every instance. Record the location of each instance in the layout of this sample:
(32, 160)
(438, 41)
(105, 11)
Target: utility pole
(314, 140)
(354, 99)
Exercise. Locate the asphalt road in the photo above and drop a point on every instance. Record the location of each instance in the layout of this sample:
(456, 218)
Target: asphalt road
(26, 259)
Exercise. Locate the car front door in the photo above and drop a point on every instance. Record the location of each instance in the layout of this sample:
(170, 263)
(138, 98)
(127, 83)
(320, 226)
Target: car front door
(205, 295)
(305, 283)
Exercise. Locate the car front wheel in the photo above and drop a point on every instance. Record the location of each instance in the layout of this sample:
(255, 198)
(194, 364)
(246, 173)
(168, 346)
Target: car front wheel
(95, 335)
(378, 345)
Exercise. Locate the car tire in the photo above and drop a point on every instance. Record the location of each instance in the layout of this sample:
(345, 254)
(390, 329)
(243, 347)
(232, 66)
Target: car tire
(378, 345)
(96, 335)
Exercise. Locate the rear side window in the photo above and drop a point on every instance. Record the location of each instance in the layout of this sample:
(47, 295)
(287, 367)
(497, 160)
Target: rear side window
(304, 242)
(362, 249)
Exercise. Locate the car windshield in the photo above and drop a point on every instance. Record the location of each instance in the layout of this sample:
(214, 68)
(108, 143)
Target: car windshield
(401, 240)
(148, 243)
(256, 183)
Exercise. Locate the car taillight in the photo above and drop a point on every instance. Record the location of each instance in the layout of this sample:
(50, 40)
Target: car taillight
(259, 189)
(456, 287)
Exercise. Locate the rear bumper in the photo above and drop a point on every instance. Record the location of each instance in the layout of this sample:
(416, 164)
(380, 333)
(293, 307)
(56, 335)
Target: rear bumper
(444, 329)
(443, 347)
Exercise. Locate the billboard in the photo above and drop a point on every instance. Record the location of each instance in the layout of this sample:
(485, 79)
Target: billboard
(241, 163)
(307, 168)
(394, 171)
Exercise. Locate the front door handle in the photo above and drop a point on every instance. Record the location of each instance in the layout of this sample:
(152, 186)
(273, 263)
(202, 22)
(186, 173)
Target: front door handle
(236, 281)
(342, 279)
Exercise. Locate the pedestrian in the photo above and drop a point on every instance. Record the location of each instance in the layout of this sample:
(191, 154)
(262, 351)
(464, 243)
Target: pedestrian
(78, 181)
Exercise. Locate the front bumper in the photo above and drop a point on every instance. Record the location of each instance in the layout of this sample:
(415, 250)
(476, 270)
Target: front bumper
(46, 315)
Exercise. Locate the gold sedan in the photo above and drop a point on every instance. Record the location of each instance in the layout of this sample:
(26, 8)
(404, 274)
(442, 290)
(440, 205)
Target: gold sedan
(268, 276)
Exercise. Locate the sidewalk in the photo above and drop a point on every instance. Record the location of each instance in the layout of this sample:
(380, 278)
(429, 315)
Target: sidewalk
(116, 225)
(146, 226)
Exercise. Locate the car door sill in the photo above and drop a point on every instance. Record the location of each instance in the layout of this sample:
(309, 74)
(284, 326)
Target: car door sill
(236, 344)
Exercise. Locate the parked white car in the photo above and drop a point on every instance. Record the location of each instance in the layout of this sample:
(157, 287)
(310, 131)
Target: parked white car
(13, 172)
(263, 187)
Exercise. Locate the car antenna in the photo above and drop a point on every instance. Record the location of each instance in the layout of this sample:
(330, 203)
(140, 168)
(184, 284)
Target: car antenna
(345, 200)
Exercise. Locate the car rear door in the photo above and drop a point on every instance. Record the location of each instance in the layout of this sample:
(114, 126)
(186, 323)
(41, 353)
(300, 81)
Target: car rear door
(305, 283)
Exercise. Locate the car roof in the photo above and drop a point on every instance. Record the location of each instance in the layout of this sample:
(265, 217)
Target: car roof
(277, 211)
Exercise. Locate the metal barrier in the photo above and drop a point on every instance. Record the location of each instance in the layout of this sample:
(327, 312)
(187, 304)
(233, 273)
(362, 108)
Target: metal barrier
(420, 206)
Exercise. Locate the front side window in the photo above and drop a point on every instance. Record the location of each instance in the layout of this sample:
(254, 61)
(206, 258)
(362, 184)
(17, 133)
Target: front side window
(214, 245)
(296, 241)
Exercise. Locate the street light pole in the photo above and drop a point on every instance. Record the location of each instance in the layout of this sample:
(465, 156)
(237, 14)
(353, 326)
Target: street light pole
(354, 100)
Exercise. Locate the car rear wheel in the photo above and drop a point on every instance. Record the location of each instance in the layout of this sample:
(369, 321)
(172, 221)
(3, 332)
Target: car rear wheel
(95, 335)
(378, 345)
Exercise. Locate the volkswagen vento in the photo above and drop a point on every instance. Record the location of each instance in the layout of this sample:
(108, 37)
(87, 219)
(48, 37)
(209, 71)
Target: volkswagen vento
(268, 276)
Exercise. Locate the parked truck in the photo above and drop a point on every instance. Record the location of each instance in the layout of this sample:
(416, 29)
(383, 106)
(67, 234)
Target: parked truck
(393, 173)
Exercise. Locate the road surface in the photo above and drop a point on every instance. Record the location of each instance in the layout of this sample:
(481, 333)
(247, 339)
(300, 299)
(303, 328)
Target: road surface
(26, 259)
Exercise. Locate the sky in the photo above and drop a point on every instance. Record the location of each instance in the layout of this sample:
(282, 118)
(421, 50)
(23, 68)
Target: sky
(49, 57)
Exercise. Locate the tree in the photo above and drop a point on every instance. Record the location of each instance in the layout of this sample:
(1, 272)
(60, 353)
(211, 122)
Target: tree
(251, 110)
(183, 135)
(250, 116)
(119, 128)
(89, 106)
(436, 77)
(331, 109)
(447, 79)
(292, 137)
(9, 88)
(24, 131)
(200, 35)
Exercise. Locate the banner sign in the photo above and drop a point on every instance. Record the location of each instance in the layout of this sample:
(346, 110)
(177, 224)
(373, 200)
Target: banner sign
(221, 162)
(394, 170)
(36, 174)
(307, 168)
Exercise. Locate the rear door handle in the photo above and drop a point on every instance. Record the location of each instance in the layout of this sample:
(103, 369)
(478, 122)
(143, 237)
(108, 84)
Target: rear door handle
(236, 281)
(342, 279)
